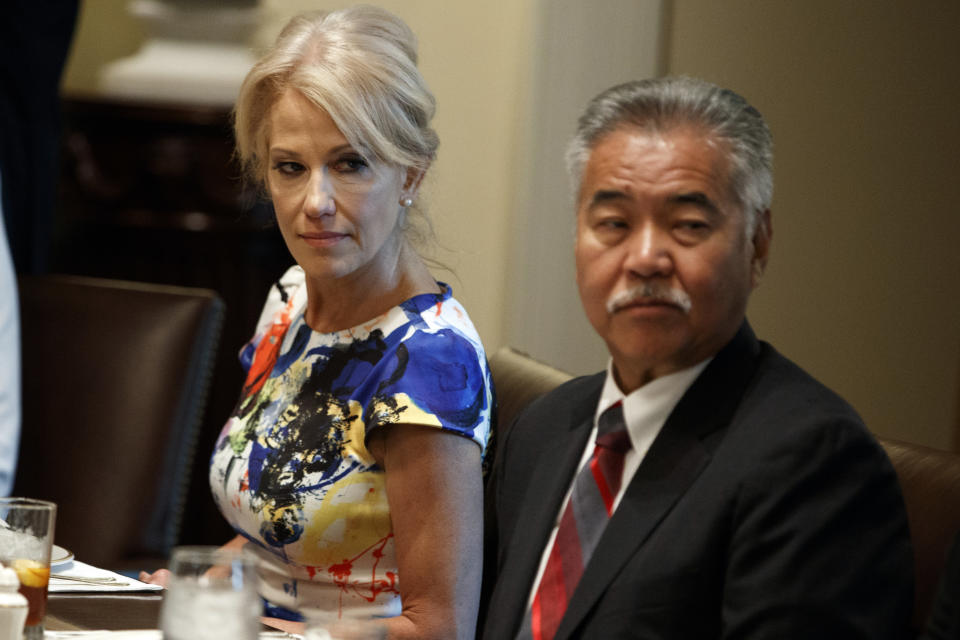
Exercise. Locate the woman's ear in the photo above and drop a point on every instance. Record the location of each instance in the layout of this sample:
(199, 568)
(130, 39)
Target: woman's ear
(411, 183)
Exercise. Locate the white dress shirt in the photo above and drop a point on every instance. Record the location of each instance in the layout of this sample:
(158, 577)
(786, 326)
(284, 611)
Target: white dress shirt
(645, 411)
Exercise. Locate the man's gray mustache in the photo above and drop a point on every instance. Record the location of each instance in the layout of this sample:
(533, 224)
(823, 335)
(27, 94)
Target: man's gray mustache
(650, 292)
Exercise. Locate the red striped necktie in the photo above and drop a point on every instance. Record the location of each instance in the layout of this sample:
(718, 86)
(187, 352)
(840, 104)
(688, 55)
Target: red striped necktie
(581, 525)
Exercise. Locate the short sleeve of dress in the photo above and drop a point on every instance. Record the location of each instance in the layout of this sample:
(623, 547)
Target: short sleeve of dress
(441, 379)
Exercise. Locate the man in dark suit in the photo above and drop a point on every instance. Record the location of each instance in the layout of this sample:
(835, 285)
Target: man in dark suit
(729, 494)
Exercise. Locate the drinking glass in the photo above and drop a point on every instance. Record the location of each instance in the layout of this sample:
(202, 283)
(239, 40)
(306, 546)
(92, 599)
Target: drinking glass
(344, 625)
(211, 595)
(26, 535)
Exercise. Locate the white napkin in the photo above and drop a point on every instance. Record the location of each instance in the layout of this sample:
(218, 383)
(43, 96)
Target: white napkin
(144, 634)
(84, 570)
(140, 634)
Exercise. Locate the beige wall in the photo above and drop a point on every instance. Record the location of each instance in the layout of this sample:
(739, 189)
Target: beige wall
(104, 32)
(864, 278)
(862, 286)
(579, 52)
(472, 56)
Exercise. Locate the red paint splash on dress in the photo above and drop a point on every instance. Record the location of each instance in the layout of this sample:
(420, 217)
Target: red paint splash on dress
(244, 488)
(368, 590)
(267, 351)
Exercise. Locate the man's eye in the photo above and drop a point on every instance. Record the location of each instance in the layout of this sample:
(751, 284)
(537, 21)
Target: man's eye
(692, 225)
(612, 224)
(692, 229)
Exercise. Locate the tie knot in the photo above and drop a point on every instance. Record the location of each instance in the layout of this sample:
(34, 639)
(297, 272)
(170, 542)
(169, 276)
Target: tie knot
(612, 429)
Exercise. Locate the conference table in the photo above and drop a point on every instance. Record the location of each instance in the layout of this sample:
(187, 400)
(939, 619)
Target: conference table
(83, 598)
(117, 612)
(107, 611)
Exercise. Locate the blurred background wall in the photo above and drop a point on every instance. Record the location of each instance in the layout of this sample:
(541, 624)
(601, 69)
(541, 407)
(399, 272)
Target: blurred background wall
(863, 281)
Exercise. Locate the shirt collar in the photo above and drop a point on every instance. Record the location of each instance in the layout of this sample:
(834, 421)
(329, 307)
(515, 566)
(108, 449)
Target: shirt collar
(645, 410)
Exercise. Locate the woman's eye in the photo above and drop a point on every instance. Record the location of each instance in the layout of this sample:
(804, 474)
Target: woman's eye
(288, 168)
(350, 164)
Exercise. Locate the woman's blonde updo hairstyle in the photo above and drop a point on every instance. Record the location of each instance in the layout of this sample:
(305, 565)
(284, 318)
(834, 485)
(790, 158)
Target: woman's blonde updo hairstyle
(360, 66)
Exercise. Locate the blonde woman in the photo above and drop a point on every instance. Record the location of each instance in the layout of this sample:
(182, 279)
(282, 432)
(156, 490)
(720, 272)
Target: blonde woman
(351, 465)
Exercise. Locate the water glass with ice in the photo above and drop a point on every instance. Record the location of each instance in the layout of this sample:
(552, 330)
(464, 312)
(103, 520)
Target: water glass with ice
(211, 595)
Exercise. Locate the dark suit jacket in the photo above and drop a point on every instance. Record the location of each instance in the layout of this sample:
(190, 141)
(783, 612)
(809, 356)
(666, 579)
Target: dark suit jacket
(944, 623)
(764, 509)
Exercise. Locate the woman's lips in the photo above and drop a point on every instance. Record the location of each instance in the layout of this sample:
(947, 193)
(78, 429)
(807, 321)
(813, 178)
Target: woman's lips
(320, 239)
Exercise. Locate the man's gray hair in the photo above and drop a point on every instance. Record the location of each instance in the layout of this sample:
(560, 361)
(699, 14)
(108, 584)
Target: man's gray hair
(661, 104)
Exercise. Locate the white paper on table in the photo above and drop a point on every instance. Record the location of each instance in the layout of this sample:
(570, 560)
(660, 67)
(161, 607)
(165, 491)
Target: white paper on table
(140, 634)
(84, 570)
(144, 634)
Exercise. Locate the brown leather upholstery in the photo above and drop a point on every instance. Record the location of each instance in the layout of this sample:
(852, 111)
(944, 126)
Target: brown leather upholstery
(518, 380)
(115, 378)
(930, 478)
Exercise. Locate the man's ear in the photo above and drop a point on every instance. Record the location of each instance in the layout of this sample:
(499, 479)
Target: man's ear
(762, 236)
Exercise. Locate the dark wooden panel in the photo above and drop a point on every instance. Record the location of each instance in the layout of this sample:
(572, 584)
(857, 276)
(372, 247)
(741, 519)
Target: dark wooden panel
(150, 192)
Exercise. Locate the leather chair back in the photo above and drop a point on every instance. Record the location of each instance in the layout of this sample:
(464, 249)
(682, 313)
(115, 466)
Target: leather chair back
(930, 478)
(115, 380)
(518, 380)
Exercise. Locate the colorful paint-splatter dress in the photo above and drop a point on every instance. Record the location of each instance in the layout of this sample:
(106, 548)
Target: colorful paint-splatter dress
(291, 471)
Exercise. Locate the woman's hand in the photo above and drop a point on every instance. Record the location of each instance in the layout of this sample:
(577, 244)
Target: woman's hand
(435, 493)
(162, 576)
(287, 626)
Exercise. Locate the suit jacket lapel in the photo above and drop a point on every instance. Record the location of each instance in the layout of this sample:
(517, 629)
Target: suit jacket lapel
(548, 485)
(676, 458)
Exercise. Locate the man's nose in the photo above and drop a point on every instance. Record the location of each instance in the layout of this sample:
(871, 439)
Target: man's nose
(648, 253)
(320, 195)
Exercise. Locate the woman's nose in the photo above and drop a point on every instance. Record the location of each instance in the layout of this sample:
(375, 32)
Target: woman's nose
(320, 198)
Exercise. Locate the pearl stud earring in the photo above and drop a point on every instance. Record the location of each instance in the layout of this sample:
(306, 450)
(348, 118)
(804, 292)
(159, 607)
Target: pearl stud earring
(406, 202)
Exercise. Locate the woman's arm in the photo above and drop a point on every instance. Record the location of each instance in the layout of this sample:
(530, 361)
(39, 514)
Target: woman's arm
(435, 494)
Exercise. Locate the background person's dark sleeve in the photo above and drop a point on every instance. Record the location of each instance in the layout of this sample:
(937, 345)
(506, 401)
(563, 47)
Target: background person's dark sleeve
(34, 41)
